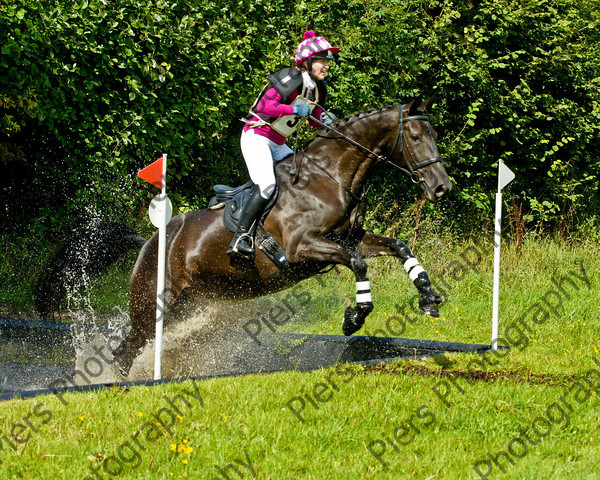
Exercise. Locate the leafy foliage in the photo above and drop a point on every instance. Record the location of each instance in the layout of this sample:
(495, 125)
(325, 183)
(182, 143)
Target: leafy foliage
(520, 83)
(92, 91)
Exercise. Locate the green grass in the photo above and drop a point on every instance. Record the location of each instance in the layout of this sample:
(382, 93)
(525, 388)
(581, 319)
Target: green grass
(466, 316)
(249, 414)
(485, 406)
(21, 260)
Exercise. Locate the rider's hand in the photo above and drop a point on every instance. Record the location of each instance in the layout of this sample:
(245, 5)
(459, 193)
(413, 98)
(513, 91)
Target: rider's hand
(302, 110)
(328, 118)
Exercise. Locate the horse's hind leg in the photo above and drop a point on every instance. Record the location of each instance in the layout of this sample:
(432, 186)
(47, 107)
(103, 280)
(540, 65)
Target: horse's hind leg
(375, 245)
(143, 319)
(142, 313)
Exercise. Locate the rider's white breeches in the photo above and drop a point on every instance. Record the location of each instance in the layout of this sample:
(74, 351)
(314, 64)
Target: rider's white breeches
(260, 153)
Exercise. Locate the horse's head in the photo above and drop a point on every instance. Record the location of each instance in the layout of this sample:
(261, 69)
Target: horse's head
(418, 155)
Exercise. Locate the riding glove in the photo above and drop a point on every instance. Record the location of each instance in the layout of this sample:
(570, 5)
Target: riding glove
(302, 110)
(328, 118)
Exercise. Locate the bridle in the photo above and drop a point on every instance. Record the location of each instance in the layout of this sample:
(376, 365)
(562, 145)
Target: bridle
(410, 171)
(401, 138)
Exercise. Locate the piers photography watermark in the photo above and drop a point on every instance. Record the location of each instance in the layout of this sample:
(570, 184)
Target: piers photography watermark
(393, 438)
(449, 390)
(403, 434)
(93, 367)
(226, 472)
(320, 393)
(457, 270)
(517, 334)
(280, 312)
(555, 417)
(163, 420)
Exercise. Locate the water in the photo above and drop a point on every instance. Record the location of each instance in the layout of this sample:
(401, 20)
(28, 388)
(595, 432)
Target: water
(18, 377)
(209, 341)
(94, 345)
(31, 358)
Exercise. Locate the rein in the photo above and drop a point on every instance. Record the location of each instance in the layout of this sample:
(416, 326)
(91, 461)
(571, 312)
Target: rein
(328, 173)
(400, 138)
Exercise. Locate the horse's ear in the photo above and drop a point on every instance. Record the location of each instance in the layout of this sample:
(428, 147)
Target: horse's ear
(414, 107)
(427, 103)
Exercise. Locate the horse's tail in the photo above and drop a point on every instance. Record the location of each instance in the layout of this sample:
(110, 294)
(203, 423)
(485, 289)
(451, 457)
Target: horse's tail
(80, 256)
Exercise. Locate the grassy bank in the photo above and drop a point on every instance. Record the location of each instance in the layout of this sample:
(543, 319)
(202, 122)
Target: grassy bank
(435, 418)
(550, 285)
(375, 423)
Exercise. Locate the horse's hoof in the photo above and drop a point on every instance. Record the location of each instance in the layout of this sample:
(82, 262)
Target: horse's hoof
(429, 301)
(352, 321)
(354, 318)
(431, 310)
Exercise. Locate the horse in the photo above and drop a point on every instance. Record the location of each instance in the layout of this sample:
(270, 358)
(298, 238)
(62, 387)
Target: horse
(317, 218)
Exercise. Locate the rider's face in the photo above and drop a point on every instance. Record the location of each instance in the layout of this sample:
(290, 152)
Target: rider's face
(320, 67)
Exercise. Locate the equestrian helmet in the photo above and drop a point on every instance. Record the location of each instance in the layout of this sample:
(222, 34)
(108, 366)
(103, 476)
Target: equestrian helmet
(314, 47)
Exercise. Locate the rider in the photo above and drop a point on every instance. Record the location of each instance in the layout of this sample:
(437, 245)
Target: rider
(292, 94)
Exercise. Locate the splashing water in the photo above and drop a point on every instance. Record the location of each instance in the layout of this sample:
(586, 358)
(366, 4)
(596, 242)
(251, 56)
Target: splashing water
(212, 341)
(201, 344)
(94, 346)
(209, 340)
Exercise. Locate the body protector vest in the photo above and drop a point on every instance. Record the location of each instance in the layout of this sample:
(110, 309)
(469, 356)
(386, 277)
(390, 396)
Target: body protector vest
(286, 82)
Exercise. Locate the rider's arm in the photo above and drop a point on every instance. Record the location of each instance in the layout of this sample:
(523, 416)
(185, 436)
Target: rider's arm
(271, 104)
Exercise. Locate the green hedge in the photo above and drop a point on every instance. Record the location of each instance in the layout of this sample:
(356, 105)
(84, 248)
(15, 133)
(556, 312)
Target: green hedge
(91, 91)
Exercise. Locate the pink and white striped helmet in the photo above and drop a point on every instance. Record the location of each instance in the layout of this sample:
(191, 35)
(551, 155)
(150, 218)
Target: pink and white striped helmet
(313, 45)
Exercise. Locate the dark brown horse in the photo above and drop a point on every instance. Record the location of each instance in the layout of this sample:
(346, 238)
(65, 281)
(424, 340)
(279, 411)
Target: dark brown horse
(317, 219)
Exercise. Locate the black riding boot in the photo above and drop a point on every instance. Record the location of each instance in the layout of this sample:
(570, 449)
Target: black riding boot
(241, 243)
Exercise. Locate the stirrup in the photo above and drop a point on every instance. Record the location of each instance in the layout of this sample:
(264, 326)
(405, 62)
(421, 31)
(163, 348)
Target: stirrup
(234, 248)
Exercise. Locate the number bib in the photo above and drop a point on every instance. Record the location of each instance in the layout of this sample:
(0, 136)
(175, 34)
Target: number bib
(288, 124)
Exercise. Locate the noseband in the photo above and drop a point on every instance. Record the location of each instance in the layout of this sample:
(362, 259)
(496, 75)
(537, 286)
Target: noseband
(401, 139)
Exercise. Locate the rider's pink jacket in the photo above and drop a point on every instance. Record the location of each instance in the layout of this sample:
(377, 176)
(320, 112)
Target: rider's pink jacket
(272, 105)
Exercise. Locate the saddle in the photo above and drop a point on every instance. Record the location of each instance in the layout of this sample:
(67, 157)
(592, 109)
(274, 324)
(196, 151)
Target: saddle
(233, 199)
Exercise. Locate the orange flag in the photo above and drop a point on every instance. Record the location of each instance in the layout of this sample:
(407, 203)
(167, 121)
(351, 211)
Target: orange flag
(153, 173)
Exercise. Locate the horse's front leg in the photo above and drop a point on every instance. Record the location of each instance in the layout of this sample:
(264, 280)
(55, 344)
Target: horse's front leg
(315, 248)
(375, 245)
(354, 318)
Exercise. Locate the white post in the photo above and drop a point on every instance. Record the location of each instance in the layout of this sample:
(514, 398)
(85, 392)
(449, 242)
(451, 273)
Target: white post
(496, 295)
(505, 176)
(160, 274)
